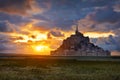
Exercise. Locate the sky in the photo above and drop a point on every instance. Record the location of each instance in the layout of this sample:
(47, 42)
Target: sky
(39, 26)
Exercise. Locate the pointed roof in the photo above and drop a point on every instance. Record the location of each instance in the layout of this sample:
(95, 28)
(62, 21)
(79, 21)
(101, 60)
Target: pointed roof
(76, 31)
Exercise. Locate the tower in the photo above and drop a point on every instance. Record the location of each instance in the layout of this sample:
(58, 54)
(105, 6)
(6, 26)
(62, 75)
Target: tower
(76, 31)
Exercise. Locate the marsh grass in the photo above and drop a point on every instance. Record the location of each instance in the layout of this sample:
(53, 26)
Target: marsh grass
(37, 69)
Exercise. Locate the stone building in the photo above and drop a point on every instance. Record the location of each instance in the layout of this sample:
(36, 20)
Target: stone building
(78, 45)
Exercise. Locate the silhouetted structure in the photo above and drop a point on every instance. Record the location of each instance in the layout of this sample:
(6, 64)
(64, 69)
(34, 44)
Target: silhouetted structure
(78, 45)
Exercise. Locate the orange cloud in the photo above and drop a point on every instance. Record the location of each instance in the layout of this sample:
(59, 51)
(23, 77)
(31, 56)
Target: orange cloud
(98, 34)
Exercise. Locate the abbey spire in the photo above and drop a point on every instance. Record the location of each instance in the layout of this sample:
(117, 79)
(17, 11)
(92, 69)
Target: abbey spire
(76, 31)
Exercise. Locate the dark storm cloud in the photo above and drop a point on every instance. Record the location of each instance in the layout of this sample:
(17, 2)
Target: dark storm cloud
(60, 13)
(68, 4)
(106, 14)
(63, 13)
(15, 6)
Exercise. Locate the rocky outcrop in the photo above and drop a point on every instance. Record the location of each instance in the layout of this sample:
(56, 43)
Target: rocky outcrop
(78, 45)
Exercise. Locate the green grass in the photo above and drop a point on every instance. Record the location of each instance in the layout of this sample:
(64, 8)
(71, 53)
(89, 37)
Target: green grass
(37, 69)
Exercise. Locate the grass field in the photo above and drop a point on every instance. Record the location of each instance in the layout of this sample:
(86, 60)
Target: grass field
(45, 69)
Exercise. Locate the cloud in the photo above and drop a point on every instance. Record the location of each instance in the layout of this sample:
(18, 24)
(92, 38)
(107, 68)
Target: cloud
(5, 26)
(116, 53)
(5, 38)
(2, 47)
(108, 43)
(19, 7)
(63, 13)
(101, 20)
(81, 3)
(56, 34)
(14, 48)
(6, 42)
(41, 28)
(117, 8)
(106, 14)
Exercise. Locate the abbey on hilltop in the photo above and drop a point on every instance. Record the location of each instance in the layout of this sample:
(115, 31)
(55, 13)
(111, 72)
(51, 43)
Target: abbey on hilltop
(78, 45)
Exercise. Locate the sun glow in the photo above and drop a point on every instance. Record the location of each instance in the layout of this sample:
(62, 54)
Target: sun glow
(39, 48)
(31, 40)
(42, 49)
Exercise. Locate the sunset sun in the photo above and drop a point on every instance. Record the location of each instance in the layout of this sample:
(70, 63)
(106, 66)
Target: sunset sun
(39, 48)
(42, 49)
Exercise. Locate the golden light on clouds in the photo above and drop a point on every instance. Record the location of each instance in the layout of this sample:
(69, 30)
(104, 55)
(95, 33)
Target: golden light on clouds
(97, 34)
(32, 40)
(37, 41)
(29, 34)
(35, 38)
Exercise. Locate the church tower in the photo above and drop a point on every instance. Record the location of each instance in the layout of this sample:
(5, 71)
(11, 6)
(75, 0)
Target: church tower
(76, 31)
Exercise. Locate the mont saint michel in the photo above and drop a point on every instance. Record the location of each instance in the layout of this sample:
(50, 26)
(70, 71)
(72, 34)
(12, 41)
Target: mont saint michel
(79, 45)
